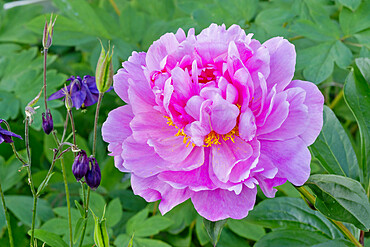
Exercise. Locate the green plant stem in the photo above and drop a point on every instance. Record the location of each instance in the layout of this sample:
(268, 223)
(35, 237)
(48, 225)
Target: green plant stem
(93, 154)
(45, 57)
(67, 192)
(73, 127)
(11, 242)
(338, 224)
(336, 99)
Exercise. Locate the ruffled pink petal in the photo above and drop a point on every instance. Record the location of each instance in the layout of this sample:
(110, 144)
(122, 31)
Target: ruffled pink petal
(282, 62)
(158, 51)
(115, 130)
(141, 159)
(247, 125)
(226, 155)
(297, 120)
(291, 157)
(223, 116)
(220, 204)
(152, 189)
(132, 70)
(315, 102)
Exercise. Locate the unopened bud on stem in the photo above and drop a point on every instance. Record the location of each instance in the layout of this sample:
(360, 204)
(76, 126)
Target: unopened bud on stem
(48, 33)
(104, 70)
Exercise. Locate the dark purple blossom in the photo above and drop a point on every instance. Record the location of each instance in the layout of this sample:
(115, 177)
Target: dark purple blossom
(47, 122)
(83, 92)
(93, 175)
(80, 165)
(6, 136)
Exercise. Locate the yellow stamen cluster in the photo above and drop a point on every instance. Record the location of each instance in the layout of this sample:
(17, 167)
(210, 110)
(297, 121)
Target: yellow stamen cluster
(214, 139)
(180, 132)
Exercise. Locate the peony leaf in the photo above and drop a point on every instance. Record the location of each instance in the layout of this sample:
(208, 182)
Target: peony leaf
(356, 95)
(299, 237)
(342, 199)
(114, 212)
(334, 149)
(246, 229)
(214, 229)
(285, 212)
(50, 238)
(352, 4)
(354, 22)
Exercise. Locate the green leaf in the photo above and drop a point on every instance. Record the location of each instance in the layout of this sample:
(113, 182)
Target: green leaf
(214, 229)
(11, 171)
(97, 203)
(142, 226)
(124, 240)
(356, 95)
(285, 212)
(352, 4)
(201, 232)
(342, 199)
(334, 149)
(296, 237)
(354, 22)
(9, 105)
(21, 207)
(322, 31)
(58, 226)
(80, 208)
(228, 238)
(246, 229)
(48, 237)
(182, 216)
(78, 229)
(114, 212)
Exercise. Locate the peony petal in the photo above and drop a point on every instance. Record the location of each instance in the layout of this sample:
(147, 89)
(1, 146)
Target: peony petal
(297, 120)
(314, 101)
(247, 125)
(223, 116)
(282, 62)
(291, 157)
(219, 204)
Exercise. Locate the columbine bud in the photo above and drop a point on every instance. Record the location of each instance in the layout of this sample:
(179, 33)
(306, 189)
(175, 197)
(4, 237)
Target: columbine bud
(104, 70)
(101, 237)
(93, 175)
(80, 165)
(48, 33)
(47, 122)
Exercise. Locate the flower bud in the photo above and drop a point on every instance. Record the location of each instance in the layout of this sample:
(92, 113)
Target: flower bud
(93, 175)
(101, 237)
(104, 70)
(80, 165)
(47, 122)
(48, 33)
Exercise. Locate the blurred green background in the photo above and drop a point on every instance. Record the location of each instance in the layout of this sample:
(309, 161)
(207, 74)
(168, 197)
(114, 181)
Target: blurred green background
(328, 36)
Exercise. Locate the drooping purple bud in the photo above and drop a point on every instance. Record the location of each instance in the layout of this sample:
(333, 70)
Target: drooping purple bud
(6, 135)
(93, 175)
(47, 122)
(80, 165)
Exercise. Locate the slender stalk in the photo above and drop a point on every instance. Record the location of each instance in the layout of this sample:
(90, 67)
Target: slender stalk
(45, 57)
(337, 99)
(96, 121)
(93, 154)
(65, 127)
(73, 126)
(338, 224)
(11, 242)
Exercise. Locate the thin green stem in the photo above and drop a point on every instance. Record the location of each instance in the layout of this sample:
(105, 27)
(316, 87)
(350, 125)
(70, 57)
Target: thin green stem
(67, 192)
(96, 121)
(45, 57)
(86, 208)
(338, 224)
(337, 99)
(33, 220)
(65, 128)
(73, 126)
(11, 242)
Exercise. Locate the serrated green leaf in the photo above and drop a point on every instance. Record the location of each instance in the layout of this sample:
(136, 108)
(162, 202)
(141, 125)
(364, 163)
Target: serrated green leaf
(334, 149)
(287, 213)
(214, 229)
(342, 199)
(50, 238)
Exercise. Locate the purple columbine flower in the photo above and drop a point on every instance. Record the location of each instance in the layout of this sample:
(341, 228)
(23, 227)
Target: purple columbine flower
(83, 92)
(80, 165)
(47, 122)
(6, 136)
(93, 175)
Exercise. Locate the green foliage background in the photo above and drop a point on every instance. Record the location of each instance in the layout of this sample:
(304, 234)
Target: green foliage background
(332, 40)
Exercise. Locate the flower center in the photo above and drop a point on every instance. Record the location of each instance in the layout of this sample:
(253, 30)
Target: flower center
(212, 138)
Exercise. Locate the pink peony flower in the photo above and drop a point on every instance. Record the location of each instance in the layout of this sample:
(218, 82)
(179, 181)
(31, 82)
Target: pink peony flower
(211, 116)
